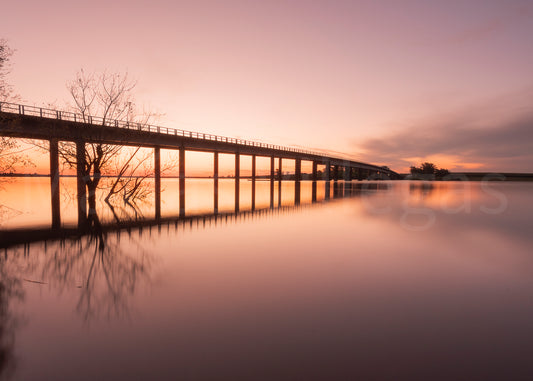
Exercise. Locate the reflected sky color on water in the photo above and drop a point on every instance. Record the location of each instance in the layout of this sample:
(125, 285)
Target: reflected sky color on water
(401, 280)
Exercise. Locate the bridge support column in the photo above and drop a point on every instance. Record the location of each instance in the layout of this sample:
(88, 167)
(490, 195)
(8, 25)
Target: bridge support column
(315, 177)
(328, 177)
(347, 174)
(272, 176)
(359, 174)
(181, 164)
(280, 177)
(297, 180)
(215, 182)
(253, 181)
(237, 180)
(335, 173)
(54, 183)
(157, 180)
(80, 181)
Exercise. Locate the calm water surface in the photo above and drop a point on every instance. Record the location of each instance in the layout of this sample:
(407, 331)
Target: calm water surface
(385, 281)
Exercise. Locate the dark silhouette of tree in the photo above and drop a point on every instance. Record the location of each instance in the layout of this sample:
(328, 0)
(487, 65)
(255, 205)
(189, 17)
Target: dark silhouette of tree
(109, 96)
(441, 173)
(6, 90)
(10, 152)
(428, 168)
(424, 169)
(12, 155)
(429, 171)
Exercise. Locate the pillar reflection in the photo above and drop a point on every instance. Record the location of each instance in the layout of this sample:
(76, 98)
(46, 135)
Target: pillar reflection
(123, 221)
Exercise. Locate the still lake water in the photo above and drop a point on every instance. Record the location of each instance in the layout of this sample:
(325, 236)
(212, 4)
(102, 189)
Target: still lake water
(394, 280)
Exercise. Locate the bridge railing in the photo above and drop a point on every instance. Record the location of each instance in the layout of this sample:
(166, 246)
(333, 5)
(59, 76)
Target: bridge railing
(130, 125)
(42, 112)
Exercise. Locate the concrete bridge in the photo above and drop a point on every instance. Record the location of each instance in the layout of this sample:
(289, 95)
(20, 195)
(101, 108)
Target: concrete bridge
(22, 121)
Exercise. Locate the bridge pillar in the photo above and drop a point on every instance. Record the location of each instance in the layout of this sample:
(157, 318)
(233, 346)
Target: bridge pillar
(237, 180)
(253, 180)
(80, 181)
(347, 174)
(315, 178)
(280, 176)
(215, 181)
(297, 180)
(335, 173)
(328, 177)
(54, 183)
(157, 179)
(181, 164)
(272, 176)
(359, 174)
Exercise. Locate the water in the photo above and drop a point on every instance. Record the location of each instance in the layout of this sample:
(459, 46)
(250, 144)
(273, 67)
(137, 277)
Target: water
(399, 280)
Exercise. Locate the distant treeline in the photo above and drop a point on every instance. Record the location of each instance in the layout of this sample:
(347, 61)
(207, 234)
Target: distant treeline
(477, 176)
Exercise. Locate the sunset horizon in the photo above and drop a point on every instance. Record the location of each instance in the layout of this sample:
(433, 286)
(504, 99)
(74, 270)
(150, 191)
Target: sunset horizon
(391, 85)
(252, 190)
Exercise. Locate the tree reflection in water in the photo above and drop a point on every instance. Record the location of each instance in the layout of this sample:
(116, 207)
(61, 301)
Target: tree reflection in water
(10, 290)
(106, 270)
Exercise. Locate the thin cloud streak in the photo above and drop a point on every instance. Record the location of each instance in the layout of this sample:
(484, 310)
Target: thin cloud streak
(461, 143)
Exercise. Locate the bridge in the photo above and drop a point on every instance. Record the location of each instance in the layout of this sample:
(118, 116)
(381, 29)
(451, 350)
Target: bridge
(30, 122)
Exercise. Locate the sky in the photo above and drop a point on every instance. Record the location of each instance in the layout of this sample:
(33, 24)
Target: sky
(387, 82)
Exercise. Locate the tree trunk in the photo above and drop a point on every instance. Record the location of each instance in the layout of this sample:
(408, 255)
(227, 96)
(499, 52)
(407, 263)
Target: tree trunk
(91, 190)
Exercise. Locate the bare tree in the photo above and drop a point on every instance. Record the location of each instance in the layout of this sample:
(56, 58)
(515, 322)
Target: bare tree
(110, 96)
(11, 153)
(107, 95)
(6, 90)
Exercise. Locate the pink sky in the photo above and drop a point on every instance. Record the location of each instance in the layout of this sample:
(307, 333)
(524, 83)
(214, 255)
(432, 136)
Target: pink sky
(392, 83)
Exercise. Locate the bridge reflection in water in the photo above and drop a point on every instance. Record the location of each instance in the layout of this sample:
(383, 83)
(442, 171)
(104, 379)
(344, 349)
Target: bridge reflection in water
(94, 226)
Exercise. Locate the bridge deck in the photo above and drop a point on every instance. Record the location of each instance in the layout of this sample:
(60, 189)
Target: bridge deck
(23, 121)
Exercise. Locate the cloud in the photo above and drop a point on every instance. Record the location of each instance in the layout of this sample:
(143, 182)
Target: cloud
(466, 141)
(485, 29)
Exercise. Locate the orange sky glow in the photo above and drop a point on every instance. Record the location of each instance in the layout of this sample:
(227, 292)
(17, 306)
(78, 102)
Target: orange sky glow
(388, 83)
